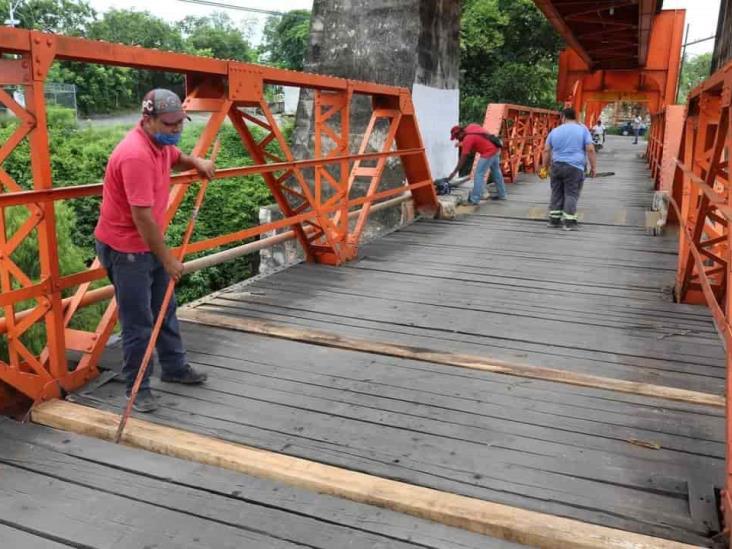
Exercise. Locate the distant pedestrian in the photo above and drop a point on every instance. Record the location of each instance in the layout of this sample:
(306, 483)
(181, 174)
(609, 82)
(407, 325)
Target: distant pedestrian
(566, 150)
(637, 125)
(473, 138)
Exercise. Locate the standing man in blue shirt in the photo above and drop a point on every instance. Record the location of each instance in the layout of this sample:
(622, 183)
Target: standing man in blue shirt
(567, 147)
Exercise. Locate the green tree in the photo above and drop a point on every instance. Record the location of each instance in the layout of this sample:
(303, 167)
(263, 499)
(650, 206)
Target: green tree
(217, 35)
(136, 28)
(99, 88)
(498, 63)
(285, 40)
(695, 69)
(71, 260)
(140, 28)
(61, 16)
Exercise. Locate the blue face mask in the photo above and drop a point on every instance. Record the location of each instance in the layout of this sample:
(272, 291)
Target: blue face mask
(166, 138)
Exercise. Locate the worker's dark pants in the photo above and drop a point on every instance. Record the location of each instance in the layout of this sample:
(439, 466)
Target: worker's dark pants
(140, 281)
(636, 133)
(566, 183)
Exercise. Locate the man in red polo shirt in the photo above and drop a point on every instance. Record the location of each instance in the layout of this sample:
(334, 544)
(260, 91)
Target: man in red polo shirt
(130, 242)
(474, 139)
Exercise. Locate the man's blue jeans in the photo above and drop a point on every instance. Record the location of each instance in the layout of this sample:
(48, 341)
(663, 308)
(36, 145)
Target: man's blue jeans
(493, 164)
(140, 281)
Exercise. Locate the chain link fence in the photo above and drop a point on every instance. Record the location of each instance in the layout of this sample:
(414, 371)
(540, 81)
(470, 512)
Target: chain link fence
(57, 94)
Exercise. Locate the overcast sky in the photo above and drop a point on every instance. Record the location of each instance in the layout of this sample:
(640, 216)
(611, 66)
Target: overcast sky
(700, 14)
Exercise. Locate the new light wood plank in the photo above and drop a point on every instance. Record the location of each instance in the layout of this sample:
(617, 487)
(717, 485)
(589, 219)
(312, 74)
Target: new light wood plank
(478, 516)
(451, 359)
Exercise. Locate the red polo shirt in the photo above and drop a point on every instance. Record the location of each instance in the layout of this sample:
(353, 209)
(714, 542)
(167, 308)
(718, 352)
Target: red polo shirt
(138, 174)
(472, 142)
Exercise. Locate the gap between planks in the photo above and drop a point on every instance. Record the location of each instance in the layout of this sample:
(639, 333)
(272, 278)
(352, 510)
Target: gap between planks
(475, 515)
(317, 337)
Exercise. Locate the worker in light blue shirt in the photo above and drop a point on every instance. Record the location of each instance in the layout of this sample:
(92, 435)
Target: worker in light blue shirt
(567, 148)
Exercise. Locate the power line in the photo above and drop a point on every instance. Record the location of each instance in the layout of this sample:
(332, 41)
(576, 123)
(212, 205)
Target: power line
(234, 7)
(700, 40)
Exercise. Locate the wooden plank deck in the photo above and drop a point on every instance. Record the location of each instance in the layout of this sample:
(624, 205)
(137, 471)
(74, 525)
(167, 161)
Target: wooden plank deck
(496, 283)
(500, 284)
(58, 490)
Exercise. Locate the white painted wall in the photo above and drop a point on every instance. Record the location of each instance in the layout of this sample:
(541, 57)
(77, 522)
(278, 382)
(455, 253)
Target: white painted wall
(292, 97)
(437, 111)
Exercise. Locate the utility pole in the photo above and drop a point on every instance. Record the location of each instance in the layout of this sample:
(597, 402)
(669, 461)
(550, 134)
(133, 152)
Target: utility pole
(229, 6)
(12, 6)
(683, 60)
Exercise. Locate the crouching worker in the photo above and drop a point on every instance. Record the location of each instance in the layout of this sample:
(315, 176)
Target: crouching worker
(473, 138)
(130, 242)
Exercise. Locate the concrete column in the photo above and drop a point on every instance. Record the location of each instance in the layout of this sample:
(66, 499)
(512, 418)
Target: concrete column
(409, 43)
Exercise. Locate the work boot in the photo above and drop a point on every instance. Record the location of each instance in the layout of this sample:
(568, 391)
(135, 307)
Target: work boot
(570, 225)
(555, 222)
(144, 402)
(188, 376)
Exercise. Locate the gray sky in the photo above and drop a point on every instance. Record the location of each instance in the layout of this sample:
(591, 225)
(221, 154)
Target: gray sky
(701, 14)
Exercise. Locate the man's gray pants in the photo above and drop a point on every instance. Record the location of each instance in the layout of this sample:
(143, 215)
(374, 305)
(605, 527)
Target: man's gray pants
(566, 184)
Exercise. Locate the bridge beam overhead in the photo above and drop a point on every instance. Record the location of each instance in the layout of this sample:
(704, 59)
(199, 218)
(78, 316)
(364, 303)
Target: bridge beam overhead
(590, 86)
(605, 34)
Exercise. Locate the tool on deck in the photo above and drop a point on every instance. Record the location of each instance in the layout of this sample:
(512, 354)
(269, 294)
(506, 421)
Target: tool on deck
(166, 302)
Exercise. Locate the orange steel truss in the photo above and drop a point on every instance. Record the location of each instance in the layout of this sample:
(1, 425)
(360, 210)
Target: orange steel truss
(315, 195)
(654, 84)
(523, 131)
(703, 203)
(663, 142)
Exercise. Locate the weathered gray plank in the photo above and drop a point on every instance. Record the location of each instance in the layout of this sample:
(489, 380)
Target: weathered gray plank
(13, 538)
(216, 496)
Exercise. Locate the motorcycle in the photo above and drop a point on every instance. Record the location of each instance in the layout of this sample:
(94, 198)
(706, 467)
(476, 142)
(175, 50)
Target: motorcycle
(597, 141)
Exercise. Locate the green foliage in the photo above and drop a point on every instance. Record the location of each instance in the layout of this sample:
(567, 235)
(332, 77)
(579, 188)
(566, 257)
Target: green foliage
(60, 117)
(695, 69)
(60, 16)
(79, 156)
(71, 260)
(286, 40)
(499, 62)
(103, 89)
(99, 88)
(136, 28)
(217, 35)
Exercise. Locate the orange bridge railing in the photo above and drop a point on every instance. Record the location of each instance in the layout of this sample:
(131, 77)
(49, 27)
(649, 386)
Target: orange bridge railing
(314, 194)
(702, 200)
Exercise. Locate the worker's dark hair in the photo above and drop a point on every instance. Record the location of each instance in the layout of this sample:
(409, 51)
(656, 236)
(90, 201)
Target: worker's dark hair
(569, 113)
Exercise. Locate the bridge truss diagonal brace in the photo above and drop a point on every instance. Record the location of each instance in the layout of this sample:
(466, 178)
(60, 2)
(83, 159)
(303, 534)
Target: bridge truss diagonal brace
(317, 209)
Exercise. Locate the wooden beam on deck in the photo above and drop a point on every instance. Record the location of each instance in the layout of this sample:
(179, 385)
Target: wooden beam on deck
(326, 339)
(483, 517)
